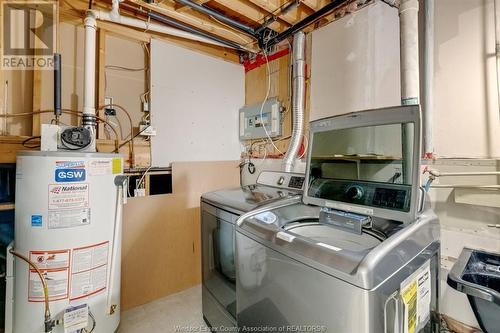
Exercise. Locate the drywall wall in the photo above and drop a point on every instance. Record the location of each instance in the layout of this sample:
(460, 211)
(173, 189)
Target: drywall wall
(161, 234)
(195, 102)
(466, 104)
(355, 63)
(355, 66)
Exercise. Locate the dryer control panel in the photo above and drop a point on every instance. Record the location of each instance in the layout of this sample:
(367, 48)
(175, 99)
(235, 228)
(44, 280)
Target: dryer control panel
(285, 180)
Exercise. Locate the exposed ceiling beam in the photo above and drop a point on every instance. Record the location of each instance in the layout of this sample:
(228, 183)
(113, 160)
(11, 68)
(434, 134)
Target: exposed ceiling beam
(253, 12)
(295, 14)
(199, 21)
(316, 4)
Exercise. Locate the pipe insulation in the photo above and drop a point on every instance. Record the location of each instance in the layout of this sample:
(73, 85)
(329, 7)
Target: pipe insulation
(298, 99)
(430, 6)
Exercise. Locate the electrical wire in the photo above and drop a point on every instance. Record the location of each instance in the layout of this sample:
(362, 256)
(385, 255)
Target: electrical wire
(143, 176)
(123, 68)
(94, 324)
(265, 99)
(31, 139)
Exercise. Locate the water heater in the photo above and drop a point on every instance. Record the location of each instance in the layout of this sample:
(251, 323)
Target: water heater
(67, 222)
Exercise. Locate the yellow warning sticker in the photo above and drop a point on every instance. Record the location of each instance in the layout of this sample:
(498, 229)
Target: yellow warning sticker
(409, 296)
(117, 165)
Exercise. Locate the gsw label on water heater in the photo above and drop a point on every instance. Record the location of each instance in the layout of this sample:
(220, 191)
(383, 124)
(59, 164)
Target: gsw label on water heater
(70, 171)
(70, 175)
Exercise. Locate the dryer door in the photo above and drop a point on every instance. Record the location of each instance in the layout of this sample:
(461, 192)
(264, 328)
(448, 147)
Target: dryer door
(218, 268)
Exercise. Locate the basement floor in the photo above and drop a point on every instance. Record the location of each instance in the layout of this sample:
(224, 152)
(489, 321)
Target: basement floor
(180, 312)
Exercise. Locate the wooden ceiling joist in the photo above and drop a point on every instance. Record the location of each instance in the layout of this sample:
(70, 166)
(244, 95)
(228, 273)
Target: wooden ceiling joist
(199, 21)
(253, 12)
(291, 16)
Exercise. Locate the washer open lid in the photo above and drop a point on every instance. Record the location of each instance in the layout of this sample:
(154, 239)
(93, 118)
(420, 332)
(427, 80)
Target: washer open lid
(366, 162)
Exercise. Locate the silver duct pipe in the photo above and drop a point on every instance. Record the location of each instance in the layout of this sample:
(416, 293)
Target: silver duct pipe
(298, 101)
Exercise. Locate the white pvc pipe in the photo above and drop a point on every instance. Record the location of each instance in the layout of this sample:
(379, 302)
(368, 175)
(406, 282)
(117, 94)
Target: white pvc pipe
(497, 44)
(410, 75)
(89, 64)
(429, 77)
(115, 17)
(298, 101)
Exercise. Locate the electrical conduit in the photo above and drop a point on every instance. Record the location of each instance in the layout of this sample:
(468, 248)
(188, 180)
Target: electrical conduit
(298, 101)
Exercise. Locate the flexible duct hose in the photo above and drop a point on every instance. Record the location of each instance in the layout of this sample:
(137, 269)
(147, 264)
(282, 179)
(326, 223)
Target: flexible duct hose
(298, 101)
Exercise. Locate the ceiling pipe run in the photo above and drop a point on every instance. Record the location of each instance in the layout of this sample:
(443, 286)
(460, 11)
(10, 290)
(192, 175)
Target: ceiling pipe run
(307, 21)
(298, 100)
(175, 27)
(214, 13)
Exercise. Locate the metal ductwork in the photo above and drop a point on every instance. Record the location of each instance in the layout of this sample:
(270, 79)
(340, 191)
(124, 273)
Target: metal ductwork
(298, 100)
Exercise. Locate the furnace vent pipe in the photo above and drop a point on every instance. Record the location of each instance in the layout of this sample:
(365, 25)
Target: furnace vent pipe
(89, 120)
(410, 75)
(298, 99)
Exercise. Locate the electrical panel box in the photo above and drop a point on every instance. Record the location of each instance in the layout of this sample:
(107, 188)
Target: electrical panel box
(252, 120)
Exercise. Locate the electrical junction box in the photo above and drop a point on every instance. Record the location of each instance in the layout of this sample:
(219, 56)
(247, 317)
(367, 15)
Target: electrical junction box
(252, 121)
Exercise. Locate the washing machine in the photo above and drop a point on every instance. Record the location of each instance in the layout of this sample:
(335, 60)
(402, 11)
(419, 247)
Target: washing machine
(359, 252)
(219, 212)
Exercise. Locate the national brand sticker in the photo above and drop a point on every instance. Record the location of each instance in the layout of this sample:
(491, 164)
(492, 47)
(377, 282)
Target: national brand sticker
(70, 164)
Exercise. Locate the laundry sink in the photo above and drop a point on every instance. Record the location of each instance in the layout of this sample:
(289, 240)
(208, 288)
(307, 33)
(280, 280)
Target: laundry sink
(477, 274)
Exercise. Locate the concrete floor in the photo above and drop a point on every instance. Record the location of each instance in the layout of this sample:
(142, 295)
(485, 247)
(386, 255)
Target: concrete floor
(180, 312)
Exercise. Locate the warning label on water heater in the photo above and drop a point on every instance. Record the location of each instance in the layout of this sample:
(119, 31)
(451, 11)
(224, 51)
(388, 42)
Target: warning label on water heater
(89, 270)
(54, 266)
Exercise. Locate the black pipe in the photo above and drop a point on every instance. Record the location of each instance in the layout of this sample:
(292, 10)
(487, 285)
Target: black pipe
(57, 85)
(179, 25)
(216, 14)
(305, 22)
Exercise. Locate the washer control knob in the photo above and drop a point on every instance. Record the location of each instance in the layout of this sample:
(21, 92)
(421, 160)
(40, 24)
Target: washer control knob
(281, 180)
(354, 193)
